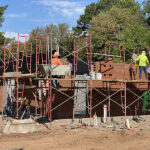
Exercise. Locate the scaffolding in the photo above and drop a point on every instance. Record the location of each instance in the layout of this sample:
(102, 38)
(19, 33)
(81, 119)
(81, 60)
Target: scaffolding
(22, 65)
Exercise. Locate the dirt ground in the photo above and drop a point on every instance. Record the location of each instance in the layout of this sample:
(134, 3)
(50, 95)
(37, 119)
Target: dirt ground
(64, 137)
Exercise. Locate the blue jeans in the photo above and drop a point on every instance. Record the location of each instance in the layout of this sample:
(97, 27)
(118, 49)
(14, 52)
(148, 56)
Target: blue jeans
(55, 82)
(143, 68)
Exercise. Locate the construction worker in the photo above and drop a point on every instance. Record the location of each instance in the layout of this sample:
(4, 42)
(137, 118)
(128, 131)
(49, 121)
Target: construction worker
(56, 61)
(143, 62)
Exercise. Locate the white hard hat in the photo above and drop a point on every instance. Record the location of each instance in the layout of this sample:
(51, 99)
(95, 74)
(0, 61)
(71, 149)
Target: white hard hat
(143, 52)
(56, 54)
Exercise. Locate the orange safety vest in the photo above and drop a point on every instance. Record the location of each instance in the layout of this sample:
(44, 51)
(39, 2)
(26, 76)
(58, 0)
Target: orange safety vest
(56, 61)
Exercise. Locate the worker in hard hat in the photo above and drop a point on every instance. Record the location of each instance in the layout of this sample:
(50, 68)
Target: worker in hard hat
(143, 62)
(56, 61)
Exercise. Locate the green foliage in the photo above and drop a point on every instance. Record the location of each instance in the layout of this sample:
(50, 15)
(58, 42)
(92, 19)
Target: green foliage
(2, 38)
(1, 14)
(114, 21)
(146, 6)
(2, 9)
(94, 9)
(136, 35)
(130, 4)
(84, 20)
(106, 26)
(145, 102)
(108, 21)
(61, 36)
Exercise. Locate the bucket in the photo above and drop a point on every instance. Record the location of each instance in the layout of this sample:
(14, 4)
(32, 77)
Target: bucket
(99, 76)
(105, 113)
(93, 75)
(127, 123)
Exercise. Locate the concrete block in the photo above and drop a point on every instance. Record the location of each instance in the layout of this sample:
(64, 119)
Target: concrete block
(20, 126)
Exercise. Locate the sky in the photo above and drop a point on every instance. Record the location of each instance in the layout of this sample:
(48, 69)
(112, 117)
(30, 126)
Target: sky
(22, 16)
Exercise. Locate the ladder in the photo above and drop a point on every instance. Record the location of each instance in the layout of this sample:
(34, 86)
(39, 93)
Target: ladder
(123, 98)
(20, 84)
(29, 57)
